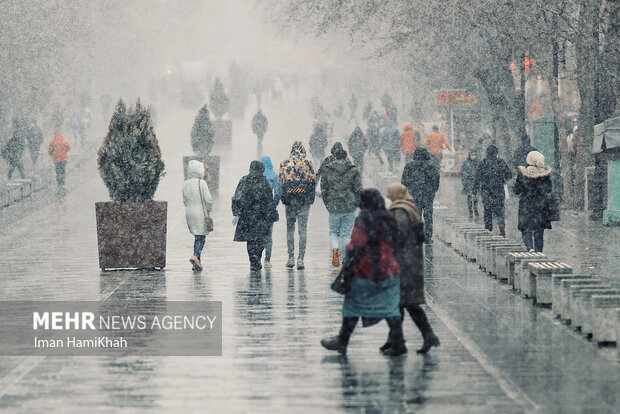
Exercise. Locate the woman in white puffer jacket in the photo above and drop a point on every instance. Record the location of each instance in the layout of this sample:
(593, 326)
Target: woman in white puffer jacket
(196, 206)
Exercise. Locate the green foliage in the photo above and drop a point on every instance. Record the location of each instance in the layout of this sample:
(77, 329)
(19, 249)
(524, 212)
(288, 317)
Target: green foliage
(129, 160)
(202, 133)
(219, 101)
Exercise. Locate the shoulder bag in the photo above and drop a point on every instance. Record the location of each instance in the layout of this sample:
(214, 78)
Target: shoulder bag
(342, 283)
(208, 220)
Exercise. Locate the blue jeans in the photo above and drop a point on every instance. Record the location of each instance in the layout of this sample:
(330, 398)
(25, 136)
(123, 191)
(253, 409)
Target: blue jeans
(199, 243)
(538, 239)
(269, 244)
(340, 229)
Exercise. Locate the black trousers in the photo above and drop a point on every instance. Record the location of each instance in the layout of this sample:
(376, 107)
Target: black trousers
(426, 209)
(61, 167)
(419, 318)
(472, 206)
(255, 251)
(395, 323)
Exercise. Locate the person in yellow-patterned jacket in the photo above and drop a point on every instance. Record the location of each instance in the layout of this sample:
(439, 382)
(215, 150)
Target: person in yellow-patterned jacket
(296, 182)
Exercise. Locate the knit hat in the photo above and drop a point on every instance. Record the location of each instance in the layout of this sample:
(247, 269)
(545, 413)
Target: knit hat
(535, 158)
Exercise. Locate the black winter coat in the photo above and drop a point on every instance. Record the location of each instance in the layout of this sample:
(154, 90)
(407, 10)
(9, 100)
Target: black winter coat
(533, 187)
(492, 174)
(253, 204)
(421, 177)
(357, 144)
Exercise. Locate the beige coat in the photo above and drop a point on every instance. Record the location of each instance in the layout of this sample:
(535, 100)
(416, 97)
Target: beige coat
(409, 252)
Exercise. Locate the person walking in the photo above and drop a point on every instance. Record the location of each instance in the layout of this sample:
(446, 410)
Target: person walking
(533, 186)
(375, 286)
(410, 257)
(58, 149)
(272, 178)
(297, 183)
(468, 177)
(357, 147)
(318, 142)
(13, 151)
(34, 136)
(492, 174)
(253, 205)
(197, 201)
(259, 127)
(436, 142)
(335, 148)
(374, 136)
(421, 178)
(391, 141)
(341, 185)
(408, 142)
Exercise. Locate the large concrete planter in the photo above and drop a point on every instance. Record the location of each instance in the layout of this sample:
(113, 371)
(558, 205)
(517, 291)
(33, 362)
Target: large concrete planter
(131, 235)
(211, 161)
(222, 133)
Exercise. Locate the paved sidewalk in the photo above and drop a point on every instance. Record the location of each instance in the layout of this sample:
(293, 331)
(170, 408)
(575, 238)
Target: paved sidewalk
(498, 353)
(589, 246)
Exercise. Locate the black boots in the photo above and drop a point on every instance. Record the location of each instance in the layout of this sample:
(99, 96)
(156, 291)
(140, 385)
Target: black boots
(430, 340)
(339, 343)
(335, 343)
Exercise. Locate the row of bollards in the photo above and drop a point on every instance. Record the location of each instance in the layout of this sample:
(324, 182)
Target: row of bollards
(590, 304)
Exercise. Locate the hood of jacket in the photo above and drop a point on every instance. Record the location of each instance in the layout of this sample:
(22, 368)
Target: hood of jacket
(421, 154)
(257, 168)
(195, 169)
(298, 150)
(532, 171)
(336, 147)
(408, 127)
(268, 164)
(58, 137)
(492, 151)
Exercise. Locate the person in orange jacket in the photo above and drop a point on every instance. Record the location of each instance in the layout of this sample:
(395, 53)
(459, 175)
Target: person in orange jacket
(408, 141)
(436, 142)
(58, 149)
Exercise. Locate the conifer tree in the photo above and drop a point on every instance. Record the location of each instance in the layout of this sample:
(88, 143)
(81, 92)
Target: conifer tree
(129, 160)
(218, 100)
(202, 133)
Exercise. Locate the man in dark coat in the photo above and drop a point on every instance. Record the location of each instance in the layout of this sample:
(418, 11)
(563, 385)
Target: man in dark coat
(421, 177)
(14, 150)
(341, 185)
(253, 204)
(374, 136)
(390, 142)
(318, 142)
(468, 177)
(259, 127)
(337, 147)
(492, 174)
(34, 135)
(357, 148)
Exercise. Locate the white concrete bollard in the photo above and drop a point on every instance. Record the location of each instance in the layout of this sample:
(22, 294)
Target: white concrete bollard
(540, 280)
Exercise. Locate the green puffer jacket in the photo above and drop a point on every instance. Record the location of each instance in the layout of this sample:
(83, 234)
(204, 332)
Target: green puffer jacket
(341, 185)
